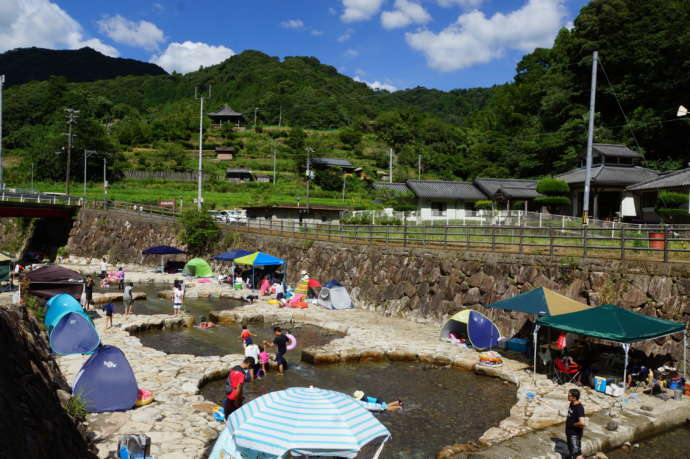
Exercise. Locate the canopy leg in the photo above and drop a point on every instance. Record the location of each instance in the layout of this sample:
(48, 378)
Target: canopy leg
(685, 355)
(626, 348)
(536, 344)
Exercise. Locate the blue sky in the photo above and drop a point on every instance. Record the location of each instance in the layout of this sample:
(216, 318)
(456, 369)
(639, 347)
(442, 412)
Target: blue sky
(390, 44)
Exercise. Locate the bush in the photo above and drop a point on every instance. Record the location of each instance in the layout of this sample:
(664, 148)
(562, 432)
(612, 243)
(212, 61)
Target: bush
(670, 200)
(553, 187)
(37, 308)
(76, 407)
(483, 205)
(552, 201)
(200, 231)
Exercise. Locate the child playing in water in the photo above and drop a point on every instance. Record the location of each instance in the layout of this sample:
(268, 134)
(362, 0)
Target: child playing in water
(109, 309)
(245, 335)
(263, 359)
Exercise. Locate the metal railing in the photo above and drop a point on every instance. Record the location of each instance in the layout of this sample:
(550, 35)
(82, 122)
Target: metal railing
(662, 243)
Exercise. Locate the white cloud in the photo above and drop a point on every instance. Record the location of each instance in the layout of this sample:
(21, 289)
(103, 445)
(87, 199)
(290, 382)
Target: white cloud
(377, 85)
(292, 24)
(404, 14)
(189, 56)
(317, 33)
(43, 24)
(360, 10)
(347, 35)
(466, 4)
(360, 72)
(476, 39)
(142, 34)
(351, 52)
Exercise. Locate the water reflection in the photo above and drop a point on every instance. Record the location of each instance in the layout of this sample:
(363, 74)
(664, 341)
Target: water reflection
(672, 444)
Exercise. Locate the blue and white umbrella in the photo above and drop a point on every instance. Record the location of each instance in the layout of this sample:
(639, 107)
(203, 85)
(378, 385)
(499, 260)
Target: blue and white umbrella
(302, 421)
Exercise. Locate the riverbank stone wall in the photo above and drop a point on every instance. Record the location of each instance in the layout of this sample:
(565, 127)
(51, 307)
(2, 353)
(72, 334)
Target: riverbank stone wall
(421, 284)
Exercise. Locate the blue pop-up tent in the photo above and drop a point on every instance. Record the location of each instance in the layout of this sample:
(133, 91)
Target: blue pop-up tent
(106, 381)
(70, 330)
(474, 326)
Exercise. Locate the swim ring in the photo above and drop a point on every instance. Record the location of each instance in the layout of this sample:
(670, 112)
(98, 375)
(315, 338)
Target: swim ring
(144, 397)
(273, 302)
(292, 342)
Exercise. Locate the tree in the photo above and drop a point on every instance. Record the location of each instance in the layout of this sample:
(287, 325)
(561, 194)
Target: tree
(350, 138)
(670, 204)
(555, 193)
(296, 138)
(329, 178)
(199, 232)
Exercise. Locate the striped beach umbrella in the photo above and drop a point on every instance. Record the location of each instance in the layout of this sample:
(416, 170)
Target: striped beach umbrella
(303, 421)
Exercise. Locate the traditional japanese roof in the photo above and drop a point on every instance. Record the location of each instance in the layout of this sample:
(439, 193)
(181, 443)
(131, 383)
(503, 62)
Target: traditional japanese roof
(511, 192)
(400, 188)
(436, 189)
(610, 175)
(675, 179)
(225, 111)
(612, 151)
(331, 162)
(516, 187)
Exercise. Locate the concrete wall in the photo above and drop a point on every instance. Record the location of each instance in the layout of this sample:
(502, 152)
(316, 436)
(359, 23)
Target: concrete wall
(424, 285)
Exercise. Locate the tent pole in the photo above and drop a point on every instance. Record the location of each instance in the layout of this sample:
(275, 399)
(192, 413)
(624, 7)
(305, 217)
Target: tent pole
(685, 355)
(626, 348)
(536, 333)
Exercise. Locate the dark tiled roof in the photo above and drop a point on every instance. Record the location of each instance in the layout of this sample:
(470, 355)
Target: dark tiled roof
(302, 207)
(519, 193)
(394, 187)
(490, 186)
(225, 111)
(331, 162)
(610, 175)
(432, 189)
(238, 171)
(673, 179)
(612, 151)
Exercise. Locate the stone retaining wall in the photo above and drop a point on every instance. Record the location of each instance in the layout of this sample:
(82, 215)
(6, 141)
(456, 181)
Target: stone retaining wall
(423, 285)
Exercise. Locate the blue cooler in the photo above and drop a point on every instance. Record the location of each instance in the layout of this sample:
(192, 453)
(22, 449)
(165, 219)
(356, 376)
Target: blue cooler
(518, 345)
(600, 384)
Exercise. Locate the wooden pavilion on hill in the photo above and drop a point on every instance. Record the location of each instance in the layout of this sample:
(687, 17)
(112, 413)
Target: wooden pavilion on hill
(226, 115)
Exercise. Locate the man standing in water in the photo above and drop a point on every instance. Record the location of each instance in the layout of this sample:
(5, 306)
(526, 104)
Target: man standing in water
(280, 342)
(575, 424)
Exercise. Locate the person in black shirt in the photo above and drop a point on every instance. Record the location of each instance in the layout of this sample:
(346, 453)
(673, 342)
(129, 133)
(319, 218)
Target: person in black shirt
(88, 290)
(575, 424)
(280, 342)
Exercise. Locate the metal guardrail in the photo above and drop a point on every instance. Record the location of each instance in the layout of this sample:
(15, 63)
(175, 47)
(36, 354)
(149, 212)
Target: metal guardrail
(662, 243)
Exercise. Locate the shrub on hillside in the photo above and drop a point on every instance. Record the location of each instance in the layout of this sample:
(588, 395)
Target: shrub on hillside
(199, 232)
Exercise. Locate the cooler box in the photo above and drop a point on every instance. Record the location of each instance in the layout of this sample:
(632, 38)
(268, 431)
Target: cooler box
(517, 344)
(614, 390)
(600, 384)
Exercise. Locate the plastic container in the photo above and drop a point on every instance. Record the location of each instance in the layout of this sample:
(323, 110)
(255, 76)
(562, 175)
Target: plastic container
(657, 241)
(517, 344)
(600, 384)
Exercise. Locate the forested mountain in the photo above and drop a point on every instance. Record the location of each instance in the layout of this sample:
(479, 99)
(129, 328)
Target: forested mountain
(22, 65)
(533, 126)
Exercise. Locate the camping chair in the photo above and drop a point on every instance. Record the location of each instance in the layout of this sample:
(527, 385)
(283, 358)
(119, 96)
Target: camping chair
(566, 373)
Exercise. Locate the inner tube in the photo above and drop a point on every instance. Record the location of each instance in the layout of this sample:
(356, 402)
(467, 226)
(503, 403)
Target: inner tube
(292, 342)
(144, 397)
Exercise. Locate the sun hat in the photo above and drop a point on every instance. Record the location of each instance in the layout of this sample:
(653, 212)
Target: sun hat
(303, 272)
(358, 395)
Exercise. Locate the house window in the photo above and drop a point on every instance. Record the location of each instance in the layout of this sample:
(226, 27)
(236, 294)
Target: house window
(438, 209)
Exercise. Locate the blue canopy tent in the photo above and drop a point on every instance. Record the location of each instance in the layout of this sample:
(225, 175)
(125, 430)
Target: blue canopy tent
(231, 255)
(70, 330)
(260, 259)
(162, 250)
(106, 381)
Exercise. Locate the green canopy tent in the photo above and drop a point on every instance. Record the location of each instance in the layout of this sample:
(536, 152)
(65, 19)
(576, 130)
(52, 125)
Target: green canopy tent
(612, 323)
(197, 267)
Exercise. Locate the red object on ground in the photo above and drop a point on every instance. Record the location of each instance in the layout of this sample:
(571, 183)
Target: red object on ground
(313, 283)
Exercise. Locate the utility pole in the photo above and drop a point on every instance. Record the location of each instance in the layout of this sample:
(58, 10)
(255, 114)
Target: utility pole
(32, 176)
(390, 165)
(105, 181)
(273, 145)
(2, 182)
(256, 109)
(419, 167)
(344, 177)
(71, 115)
(309, 150)
(200, 176)
(87, 153)
(590, 139)
(280, 116)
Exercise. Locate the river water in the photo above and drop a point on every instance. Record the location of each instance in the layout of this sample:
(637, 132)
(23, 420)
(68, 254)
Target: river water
(669, 445)
(442, 406)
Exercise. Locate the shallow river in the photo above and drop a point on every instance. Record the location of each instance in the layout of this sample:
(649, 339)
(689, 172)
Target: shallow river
(670, 445)
(442, 406)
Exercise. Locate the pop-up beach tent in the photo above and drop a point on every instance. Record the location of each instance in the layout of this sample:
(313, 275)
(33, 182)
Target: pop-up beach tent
(612, 323)
(474, 326)
(70, 330)
(541, 302)
(334, 297)
(260, 259)
(49, 280)
(197, 267)
(106, 381)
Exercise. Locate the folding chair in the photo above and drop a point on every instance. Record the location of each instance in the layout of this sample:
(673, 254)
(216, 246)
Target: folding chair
(566, 373)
